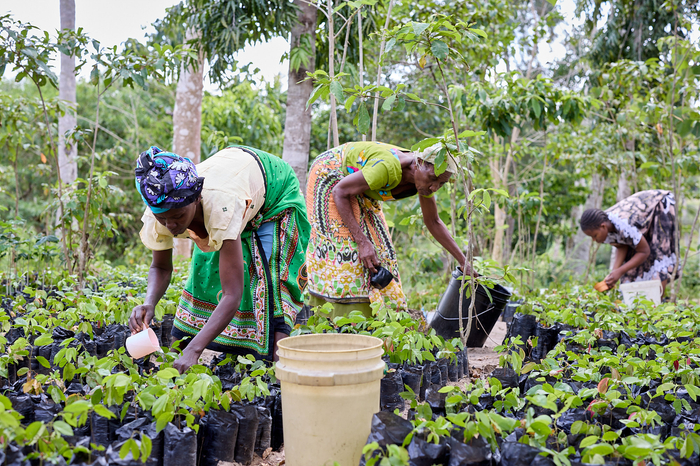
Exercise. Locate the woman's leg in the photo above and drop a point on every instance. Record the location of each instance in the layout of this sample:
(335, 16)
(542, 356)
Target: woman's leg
(266, 233)
(278, 336)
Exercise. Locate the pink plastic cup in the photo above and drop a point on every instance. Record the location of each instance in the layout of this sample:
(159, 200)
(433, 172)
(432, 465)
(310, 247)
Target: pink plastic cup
(142, 344)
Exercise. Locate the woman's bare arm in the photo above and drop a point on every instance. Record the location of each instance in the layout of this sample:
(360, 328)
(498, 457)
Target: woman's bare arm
(344, 194)
(231, 275)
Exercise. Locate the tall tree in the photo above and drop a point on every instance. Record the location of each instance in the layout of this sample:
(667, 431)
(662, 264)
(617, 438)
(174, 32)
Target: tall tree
(67, 152)
(632, 27)
(297, 125)
(581, 250)
(187, 121)
(216, 29)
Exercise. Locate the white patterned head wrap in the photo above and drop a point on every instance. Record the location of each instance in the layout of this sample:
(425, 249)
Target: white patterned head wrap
(430, 154)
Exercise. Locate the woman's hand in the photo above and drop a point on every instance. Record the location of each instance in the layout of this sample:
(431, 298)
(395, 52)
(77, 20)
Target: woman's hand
(187, 359)
(368, 255)
(158, 280)
(141, 317)
(613, 278)
(345, 196)
(468, 270)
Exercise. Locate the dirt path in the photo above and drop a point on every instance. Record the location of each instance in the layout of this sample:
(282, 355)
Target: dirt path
(482, 361)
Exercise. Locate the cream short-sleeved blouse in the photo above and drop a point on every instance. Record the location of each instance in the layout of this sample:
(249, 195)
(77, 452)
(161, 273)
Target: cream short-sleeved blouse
(233, 193)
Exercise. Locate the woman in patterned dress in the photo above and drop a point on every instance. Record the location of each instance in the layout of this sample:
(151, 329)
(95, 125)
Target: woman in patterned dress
(244, 211)
(349, 235)
(643, 230)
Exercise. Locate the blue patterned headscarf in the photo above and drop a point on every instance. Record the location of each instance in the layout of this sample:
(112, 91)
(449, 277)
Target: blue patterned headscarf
(166, 180)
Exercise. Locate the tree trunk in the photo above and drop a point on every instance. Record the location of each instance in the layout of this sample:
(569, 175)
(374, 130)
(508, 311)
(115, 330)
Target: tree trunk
(582, 243)
(67, 152)
(331, 71)
(624, 190)
(297, 123)
(375, 113)
(187, 124)
(500, 216)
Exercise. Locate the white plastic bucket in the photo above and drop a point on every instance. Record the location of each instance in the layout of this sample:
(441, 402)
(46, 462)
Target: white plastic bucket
(142, 344)
(651, 290)
(330, 391)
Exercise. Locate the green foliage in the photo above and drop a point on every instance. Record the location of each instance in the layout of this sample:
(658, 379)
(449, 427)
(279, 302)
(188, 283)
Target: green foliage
(222, 28)
(245, 112)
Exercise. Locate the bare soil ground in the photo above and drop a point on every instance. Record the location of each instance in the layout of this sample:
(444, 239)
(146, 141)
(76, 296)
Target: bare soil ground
(482, 361)
(276, 458)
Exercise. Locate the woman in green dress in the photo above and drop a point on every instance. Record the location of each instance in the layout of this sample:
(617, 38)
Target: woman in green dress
(244, 211)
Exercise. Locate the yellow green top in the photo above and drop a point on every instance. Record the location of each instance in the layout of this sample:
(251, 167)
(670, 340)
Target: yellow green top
(379, 164)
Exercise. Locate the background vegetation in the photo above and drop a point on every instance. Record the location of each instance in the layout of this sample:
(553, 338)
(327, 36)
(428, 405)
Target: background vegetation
(617, 114)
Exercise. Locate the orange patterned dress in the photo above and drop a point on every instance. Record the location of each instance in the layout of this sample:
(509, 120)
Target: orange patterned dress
(335, 272)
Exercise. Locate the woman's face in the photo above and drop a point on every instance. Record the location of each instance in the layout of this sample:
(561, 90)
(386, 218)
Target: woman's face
(426, 181)
(599, 234)
(177, 221)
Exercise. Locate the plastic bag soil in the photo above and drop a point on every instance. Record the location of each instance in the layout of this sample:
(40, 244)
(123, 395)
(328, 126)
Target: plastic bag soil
(142, 426)
(14, 334)
(219, 431)
(435, 374)
(103, 345)
(572, 415)
(263, 436)
(113, 458)
(486, 401)
(99, 430)
(424, 453)
(460, 365)
(546, 341)
(507, 376)
(166, 333)
(666, 411)
(277, 434)
(452, 370)
(247, 431)
(610, 339)
(76, 388)
(179, 446)
(120, 332)
(133, 413)
(442, 364)
(46, 353)
(627, 340)
(14, 456)
(475, 453)
(524, 325)
(24, 405)
(411, 376)
(465, 361)
(46, 411)
(675, 455)
(157, 442)
(389, 429)
(435, 399)
(541, 460)
(425, 380)
(60, 334)
(391, 388)
(127, 430)
(517, 454)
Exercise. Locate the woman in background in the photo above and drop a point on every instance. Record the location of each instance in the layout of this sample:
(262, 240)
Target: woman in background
(643, 230)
